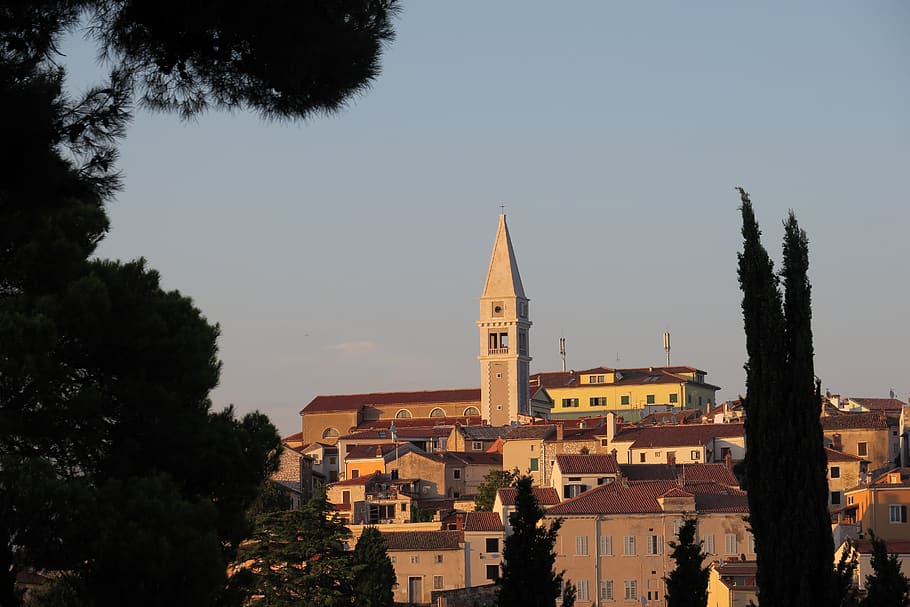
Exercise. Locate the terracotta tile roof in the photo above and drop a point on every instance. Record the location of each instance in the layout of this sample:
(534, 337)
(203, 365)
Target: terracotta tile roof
(885, 478)
(893, 546)
(834, 455)
(470, 458)
(360, 480)
(717, 473)
(409, 433)
(880, 404)
(353, 402)
(587, 464)
(641, 498)
(631, 376)
(546, 496)
(482, 521)
(292, 437)
(370, 451)
(648, 472)
(483, 432)
(423, 422)
(677, 492)
(530, 432)
(678, 436)
(854, 421)
(423, 540)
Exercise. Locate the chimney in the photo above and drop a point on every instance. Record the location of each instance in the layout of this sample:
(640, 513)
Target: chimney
(559, 432)
(671, 459)
(611, 427)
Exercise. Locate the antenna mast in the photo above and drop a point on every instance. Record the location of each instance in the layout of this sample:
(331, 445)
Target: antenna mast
(562, 352)
(667, 346)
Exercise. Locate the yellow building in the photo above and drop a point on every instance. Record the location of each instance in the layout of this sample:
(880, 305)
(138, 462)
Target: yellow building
(630, 393)
(880, 506)
(732, 584)
(613, 543)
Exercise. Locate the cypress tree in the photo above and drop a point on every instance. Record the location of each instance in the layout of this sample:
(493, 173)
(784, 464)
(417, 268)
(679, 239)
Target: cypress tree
(374, 575)
(687, 584)
(785, 467)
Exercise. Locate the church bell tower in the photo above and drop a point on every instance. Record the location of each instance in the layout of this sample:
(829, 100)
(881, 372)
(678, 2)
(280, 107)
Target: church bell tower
(503, 324)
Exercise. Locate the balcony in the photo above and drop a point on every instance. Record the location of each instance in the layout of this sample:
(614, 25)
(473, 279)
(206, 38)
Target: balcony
(498, 351)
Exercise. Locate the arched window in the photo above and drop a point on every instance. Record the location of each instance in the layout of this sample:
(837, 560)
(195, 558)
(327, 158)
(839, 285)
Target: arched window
(471, 411)
(437, 412)
(403, 414)
(330, 433)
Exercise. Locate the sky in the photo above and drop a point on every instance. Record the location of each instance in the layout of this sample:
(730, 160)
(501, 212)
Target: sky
(347, 253)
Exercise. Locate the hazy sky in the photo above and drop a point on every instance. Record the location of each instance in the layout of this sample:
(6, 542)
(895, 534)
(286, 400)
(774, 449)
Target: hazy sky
(347, 254)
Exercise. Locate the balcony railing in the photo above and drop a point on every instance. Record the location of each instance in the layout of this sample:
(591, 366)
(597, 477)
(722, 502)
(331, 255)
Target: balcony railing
(498, 351)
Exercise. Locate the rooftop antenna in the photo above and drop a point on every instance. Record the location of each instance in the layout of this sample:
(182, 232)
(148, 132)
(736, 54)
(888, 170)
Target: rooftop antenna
(667, 346)
(502, 209)
(617, 358)
(562, 352)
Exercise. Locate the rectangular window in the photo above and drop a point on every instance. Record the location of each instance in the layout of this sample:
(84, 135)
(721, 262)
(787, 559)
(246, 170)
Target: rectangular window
(581, 589)
(598, 401)
(393, 558)
(533, 464)
(596, 379)
(437, 582)
(606, 590)
(415, 559)
(492, 572)
(332, 460)
(624, 400)
(695, 455)
(708, 542)
(355, 473)
(631, 590)
(897, 513)
(835, 471)
(581, 545)
(404, 506)
(835, 498)
(649, 399)
(674, 397)
(438, 558)
(862, 449)
(641, 457)
(477, 445)
(731, 544)
(606, 545)
(492, 544)
(628, 545)
(655, 545)
(456, 473)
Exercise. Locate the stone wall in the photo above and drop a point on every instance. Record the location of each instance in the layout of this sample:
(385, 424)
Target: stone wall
(478, 596)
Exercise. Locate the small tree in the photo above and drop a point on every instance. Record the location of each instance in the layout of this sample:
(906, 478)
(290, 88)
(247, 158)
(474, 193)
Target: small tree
(374, 575)
(687, 584)
(528, 579)
(843, 593)
(886, 586)
(493, 482)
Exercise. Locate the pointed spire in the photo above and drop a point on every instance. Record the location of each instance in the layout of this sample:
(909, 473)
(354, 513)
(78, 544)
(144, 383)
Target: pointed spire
(502, 278)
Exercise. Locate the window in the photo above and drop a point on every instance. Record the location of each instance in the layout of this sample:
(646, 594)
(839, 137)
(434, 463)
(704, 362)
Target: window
(862, 449)
(598, 401)
(438, 558)
(332, 460)
(624, 400)
(355, 473)
(330, 433)
(581, 545)
(606, 545)
(606, 590)
(456, 473)
(731, 544)
(492, 572)
(708, 541)
(471, 411)
(569, 402)
(689, 398)
(628, 545)
(596, 379)
(649, 399)
(581, 588)
(655, 544)
(415, 559)
(393, 558)
(498, 308)
(437, 582)
(695, 455)
(897, 513)
(836, 498)
(404, 506)
(641, 457)
(403, 414)
(631, 590)
(835, 471)
(533, 464)
(437, 412)
(674, 397)
(492, 544)
(477, 445)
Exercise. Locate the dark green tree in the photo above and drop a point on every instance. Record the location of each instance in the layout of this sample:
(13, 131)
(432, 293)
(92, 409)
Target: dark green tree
(374, 575)
(271, 498)
(844, 592)
(886, 586)
(493, 482)
(528, 578)
(297, 558)
(793, 541)
(687, 584)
